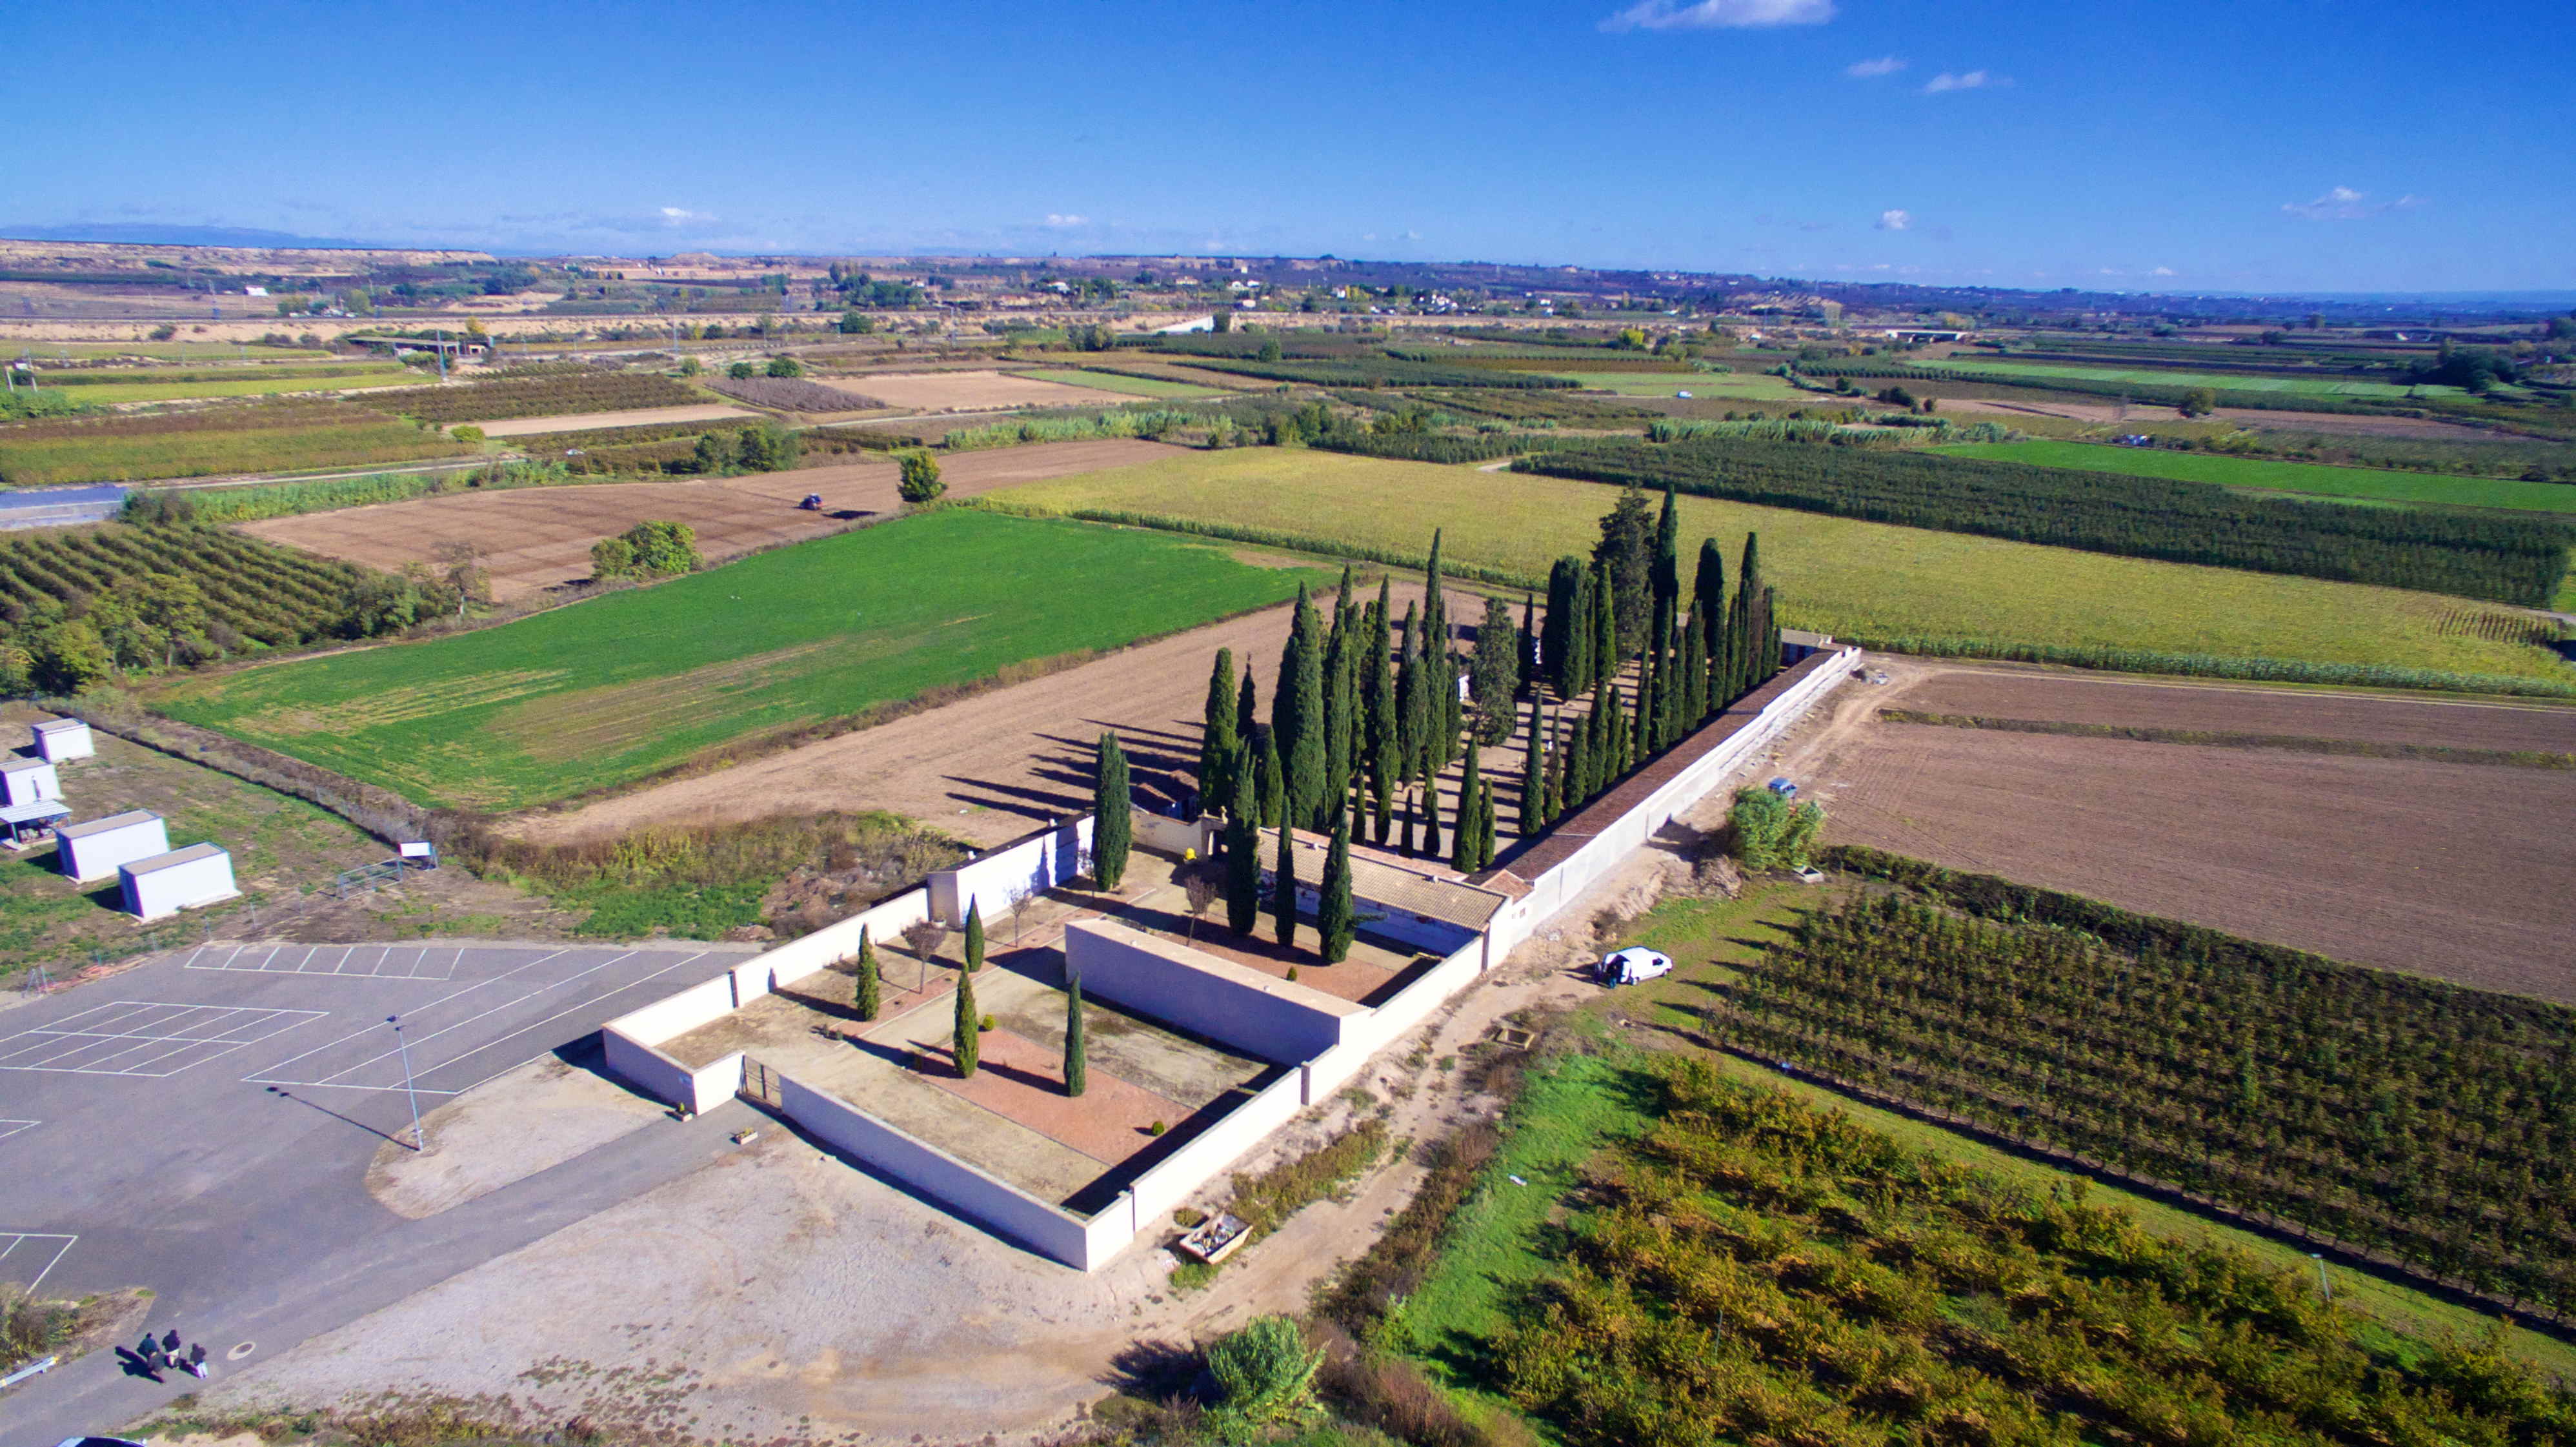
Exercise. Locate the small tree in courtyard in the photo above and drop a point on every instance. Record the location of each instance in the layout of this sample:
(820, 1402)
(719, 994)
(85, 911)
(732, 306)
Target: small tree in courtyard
(1283, 890)
(1076, 1075)
(974, 936)
(1113, 823)
(1200, 888)
(1242, 874)
(967, 1029)
(864, 1001)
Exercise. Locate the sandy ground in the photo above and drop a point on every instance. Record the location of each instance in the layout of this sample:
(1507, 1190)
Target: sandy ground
(2422, 428)
(537, 1116)
(584, 421)
(780, 1293)
(991, 768)
(2443, 869)
(967, 391)
(540, 537)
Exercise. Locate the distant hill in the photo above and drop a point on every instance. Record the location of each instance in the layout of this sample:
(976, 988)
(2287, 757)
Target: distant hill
(148, 233)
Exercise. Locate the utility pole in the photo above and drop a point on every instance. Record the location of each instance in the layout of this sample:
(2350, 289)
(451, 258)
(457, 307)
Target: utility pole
(419, 1142)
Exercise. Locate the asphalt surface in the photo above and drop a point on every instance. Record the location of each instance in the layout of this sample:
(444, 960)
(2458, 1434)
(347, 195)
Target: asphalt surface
(202, 1125)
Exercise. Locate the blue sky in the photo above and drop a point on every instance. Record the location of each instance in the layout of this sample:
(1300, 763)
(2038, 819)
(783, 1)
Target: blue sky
(2318, 145)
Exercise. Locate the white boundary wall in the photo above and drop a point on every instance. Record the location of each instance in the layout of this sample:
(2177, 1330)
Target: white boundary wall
(1259, 1014)
(1562, 885)
(1056, 857)
(1037, 863)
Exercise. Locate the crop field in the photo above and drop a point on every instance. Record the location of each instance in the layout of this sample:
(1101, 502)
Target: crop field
(1840, 575)
(792, 394)
(547, 392)
(2442, 868)
(2325, 386)
(158, 351)
(2306, 477)
(965, 391)
(266, 593)
(610, 690)
(1751, 386)
(260, 437)
(1120, 382)
(611, 429)
(107, 393)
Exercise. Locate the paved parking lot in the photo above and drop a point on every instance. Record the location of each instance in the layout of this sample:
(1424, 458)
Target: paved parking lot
(202, 1124)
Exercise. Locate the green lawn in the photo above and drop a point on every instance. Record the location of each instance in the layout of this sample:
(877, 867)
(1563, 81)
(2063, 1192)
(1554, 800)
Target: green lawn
(1838, 574)
(604, 692)
(2303, 477)
(1120, 382)
(1757, 386)
(2322, 386)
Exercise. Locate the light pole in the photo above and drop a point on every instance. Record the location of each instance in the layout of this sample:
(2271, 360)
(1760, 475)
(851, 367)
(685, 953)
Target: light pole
(419, 1142)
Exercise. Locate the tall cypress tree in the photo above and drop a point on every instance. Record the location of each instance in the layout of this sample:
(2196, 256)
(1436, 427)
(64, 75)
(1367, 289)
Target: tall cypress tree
(1297, 711)
(1412, 819)
(1335, 919)
(1338, 733)
(1077, 1072)
(1559, 635)
(1462, 852)
(1606, 658)
(1269, 779)
(1112, 823)
(1749, 626)
(1216, 730)
(1283, 891)
(1664, 575)
(1708, 589)
(1694, 670)
(1435, 607)
(1495, 674)
(1534, 765)
(1485, 825)
(974, 935)
(1381, 806)
(1377, 696)
(966, 1029)
(866, 991)
(1526, 640)
(1242, 874)
(1430, 811)
(1452, 710)
(1247, 712)
(1406, 717)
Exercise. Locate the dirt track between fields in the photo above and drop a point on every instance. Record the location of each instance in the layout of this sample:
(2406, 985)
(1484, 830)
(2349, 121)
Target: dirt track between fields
(585, 421)
(990, 769)
(540, 537)
(2442, 869)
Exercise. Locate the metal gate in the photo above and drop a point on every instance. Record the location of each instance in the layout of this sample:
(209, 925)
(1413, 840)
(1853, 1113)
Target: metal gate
(760, 1084)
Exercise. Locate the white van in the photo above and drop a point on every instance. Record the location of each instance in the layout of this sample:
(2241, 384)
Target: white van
(1632, 966)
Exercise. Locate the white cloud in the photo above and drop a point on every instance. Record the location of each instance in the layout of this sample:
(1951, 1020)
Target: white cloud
(1964, 80)
(1894, 220)
(1873, 69)
(682, 216)
(1059, 220)
(2162, 271)
(1719, 14)
(2342, 203)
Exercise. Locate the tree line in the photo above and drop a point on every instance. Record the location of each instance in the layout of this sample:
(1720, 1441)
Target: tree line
(2506, 560)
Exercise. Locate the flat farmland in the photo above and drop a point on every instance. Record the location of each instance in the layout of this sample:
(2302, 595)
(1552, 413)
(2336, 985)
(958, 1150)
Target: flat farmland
(143, 389)
(584, 421)
(2445, 869)
(2302, 477)
(2259, 419)
(1120, 382)
(2317, 386)
(1838, 574)
(538, 538)
(604, 692)
(1756, 386)
(966, 391)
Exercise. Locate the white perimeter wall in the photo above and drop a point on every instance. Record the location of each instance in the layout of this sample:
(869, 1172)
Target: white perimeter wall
(1175, 1177)
(1035, 864)
(1270, 1019)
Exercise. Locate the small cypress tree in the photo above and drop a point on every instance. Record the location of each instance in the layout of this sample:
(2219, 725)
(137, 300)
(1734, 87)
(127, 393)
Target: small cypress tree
(865, 990)
(1412, 822)
(1484, 852)
(966, 1029)
(1534, 779)
(1242, 874)
(1462, 851)
(1283, 891)
(1335, 918)
(974, 935)
(1216, 735)
(1076, 1073)
(1247, 711)
(1381, 823)
(1270, 781)
(1431, 813)
(1113, 824)
(1527, 641)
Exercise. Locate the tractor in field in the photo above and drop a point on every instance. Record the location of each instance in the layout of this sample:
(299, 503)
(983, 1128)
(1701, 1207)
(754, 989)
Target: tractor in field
(813, 503)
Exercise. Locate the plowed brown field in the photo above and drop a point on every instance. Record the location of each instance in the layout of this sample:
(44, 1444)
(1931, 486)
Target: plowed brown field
(2442, 869)
(540, 537)
(968, 391)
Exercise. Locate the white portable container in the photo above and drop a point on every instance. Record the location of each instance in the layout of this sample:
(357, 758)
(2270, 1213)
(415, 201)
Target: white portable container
(165, 884)
(27, 781)
(97, 849)
(63, 738)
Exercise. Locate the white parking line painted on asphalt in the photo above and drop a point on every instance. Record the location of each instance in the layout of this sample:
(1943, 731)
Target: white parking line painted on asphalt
(33, 1243)
(144, 1037)
(330, 1065)
(368, 962)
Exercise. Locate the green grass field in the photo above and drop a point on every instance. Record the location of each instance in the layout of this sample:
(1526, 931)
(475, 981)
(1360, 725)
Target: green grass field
(164, 351)
(1755, 386)
(2222, 381)
(1120, 382)
(1840, 575)
(109, 392)
(607, 691)
(2301, 477)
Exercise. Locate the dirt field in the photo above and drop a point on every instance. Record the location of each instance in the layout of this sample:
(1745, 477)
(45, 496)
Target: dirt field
(583, 421)
(968, 391)
(2442, 869)
(2421, 428)
(540, 538)
(990, 769)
